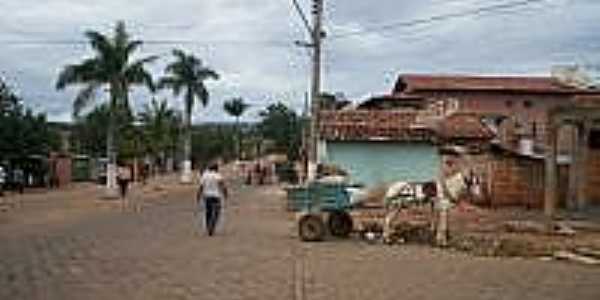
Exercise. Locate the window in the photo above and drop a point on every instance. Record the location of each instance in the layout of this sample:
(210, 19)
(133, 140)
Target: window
(527, 104)
(594, 139)
(508, 103)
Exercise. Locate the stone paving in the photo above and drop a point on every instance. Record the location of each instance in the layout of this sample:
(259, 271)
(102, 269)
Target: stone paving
(96, 253)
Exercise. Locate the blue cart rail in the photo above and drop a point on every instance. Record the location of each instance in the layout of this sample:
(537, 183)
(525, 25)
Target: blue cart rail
(323, 208)
(318, 197)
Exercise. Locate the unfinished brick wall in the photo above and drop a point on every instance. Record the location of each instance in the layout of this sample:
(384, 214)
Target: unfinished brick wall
(517, 181)
(530, 109)
(593, 177)
(510, 184)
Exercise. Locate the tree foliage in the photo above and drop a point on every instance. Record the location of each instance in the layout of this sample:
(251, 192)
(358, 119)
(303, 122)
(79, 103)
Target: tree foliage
(235, 107)
(22, 132)
(283, 126)
(187, 74)
(161, 128)
(112, 66)
(211, 142)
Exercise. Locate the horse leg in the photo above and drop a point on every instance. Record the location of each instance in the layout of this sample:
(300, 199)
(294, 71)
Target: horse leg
(387, 225)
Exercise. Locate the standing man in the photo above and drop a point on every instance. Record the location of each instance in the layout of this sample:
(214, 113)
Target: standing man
(213, 192)
(2, 180)
(19, 176)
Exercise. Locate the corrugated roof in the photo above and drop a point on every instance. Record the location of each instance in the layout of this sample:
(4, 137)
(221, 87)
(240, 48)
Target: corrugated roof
(417, 82)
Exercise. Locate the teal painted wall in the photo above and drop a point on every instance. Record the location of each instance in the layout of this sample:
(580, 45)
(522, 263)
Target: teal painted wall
(382, 162)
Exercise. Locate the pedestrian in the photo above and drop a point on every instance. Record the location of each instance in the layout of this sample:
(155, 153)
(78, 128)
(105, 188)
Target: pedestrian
(123, 178)
(145, 173)
(19, 176)
(2, 180)
(213, 192)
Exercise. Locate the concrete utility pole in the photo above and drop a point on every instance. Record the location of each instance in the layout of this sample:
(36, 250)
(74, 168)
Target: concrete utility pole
(317, 35)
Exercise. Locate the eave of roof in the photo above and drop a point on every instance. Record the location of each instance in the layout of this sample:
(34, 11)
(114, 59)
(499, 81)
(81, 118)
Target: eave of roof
(529, 84)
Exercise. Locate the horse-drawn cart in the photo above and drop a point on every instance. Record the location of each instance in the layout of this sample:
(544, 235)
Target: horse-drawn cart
(321, 209)
(334, 208)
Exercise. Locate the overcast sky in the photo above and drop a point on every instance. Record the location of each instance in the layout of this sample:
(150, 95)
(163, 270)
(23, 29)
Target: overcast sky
(250, 43)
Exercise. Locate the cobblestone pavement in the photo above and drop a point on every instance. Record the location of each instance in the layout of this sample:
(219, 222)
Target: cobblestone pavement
(159, 254)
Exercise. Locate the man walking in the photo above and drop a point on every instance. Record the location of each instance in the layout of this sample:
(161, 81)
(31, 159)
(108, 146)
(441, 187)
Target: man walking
(123, 178)
(19, 176)
(2, 180)
(213, 192)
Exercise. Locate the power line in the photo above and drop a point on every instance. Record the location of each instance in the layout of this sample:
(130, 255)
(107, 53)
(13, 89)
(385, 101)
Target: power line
(302, 16)
(45, 42)
(437, 18)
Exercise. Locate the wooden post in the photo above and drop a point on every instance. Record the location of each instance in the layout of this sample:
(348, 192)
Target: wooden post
(574, 169)
(551, 172)
(583, 139)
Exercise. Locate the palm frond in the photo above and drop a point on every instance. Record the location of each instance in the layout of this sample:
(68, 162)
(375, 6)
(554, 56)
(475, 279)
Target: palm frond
(85, 97)
(136, 73)
(88, 70)
(206, 73)
(133, 46)
(235, 107)
(180, 55)
(178, 68)
(202, 93)
(99, 42)
(172, 83)
(121, 37)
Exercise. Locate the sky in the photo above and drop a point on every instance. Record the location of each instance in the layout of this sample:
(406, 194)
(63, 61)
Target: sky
(250, 43)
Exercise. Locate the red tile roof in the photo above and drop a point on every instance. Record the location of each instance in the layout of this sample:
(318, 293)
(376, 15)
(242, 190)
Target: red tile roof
(357, 125)
(414, 82)
(463, 126)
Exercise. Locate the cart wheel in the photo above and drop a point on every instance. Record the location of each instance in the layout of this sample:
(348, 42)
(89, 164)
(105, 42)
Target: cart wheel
(340, 224)
(311, 228)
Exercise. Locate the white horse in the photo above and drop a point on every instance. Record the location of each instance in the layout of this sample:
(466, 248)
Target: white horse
(450, 188)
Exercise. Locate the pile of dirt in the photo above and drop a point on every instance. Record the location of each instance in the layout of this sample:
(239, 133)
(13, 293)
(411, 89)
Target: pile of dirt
(486, 245)
(412, 233)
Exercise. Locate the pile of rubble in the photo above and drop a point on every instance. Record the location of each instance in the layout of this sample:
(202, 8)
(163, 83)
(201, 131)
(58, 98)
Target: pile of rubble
(521, 233)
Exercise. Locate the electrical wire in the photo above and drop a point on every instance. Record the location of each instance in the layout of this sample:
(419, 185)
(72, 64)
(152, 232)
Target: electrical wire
(437, 18)
(50, 42)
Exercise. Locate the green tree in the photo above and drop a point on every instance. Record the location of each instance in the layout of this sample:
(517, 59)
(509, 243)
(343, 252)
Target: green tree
(187, 74)
(161, 128)
(111, 66)
(236, 107)
(22, 132)
(283, 126)
(212, 141)
(9, 102)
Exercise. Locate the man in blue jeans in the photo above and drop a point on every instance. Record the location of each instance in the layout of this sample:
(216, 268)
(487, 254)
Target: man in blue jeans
(213, 192)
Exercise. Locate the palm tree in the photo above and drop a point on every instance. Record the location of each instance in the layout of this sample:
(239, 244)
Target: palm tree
(160, 128)
(187, 73)
(236, 107)
(111, 67)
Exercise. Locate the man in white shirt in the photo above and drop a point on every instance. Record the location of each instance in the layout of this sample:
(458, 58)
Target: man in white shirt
(213, 192)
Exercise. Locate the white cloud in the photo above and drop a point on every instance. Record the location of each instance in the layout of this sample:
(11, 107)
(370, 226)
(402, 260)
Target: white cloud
(250, 43)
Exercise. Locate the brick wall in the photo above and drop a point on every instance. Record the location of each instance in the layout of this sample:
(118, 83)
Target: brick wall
(511, 184)
(530, 109)
(61, 166)
(593, 177)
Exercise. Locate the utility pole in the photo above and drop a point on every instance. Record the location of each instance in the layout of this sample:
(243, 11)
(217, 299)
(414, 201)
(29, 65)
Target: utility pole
(317, 35)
